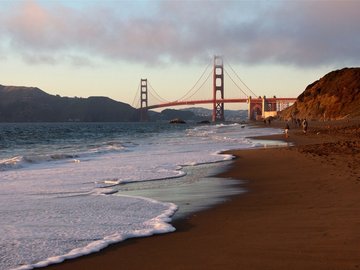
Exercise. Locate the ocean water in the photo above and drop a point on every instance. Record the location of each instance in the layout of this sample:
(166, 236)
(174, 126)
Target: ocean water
(70, 189)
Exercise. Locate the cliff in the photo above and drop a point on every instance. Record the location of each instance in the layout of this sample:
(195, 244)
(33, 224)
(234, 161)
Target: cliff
(334, 96)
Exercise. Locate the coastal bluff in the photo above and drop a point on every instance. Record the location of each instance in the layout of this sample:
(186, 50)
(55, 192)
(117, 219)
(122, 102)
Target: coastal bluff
(31, 104)
(334, 96)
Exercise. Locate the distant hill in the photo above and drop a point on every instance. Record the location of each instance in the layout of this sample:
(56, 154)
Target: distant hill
(31, 104)
(169, 114)
(195, 114)
(335, 96)
(230, 115)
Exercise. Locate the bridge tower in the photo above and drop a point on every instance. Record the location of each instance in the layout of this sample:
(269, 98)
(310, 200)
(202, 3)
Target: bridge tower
(218, 89)
(143, 100)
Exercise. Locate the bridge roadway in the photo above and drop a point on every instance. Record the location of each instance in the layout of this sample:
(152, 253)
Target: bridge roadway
(211, 101)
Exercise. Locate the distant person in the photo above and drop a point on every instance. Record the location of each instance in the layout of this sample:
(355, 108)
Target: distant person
(305, 126)
(286, 130)
(298, 121)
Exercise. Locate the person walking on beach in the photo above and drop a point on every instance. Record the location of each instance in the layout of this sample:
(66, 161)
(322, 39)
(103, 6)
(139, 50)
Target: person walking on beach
(287, 127)
(305, 126)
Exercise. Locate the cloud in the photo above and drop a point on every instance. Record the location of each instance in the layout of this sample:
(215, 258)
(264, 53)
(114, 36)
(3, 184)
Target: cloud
(300, 33)
(314, 33)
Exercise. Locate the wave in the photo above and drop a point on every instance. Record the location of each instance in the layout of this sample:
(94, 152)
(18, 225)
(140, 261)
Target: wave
(109, 147)
(159, 224)
(222, 125)
(11, 163)
(21, 161)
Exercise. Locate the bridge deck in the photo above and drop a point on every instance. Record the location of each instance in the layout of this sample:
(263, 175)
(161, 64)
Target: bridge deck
(211, 101)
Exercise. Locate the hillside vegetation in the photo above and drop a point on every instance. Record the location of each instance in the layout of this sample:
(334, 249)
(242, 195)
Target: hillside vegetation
(335, 96)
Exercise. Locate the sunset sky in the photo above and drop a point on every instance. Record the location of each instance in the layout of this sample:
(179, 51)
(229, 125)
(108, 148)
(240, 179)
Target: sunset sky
(103, 48)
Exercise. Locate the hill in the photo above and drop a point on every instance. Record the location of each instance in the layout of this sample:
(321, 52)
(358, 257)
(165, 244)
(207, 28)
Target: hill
(230, 115)
(31, 104)
(334, 96)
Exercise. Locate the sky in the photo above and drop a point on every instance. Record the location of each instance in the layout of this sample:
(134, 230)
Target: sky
(103, 48)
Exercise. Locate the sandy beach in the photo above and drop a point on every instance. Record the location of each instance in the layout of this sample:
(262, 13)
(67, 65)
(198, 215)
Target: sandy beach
(301, 211)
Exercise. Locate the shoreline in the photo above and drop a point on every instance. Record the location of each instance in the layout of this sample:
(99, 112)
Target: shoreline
(300, 211)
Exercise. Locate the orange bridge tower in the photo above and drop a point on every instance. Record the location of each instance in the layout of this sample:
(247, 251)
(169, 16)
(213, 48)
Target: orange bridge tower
(143, 100)
(218, 90)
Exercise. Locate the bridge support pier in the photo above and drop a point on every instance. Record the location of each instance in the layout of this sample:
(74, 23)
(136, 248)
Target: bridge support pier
(269, 107)
(218, 90)
(249, 108)
(254, 108)
(143, 100)
(263, 107)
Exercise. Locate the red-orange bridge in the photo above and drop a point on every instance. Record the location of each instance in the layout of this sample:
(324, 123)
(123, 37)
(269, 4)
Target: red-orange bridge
(257, 106)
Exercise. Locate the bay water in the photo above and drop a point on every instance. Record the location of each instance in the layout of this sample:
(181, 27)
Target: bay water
(70, 189)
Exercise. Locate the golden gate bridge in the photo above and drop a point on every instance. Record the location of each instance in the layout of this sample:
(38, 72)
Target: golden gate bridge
(258, 106)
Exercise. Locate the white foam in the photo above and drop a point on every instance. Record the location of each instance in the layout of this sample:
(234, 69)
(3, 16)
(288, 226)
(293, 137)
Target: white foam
(156, 225)
(11, 163)
(140, 220)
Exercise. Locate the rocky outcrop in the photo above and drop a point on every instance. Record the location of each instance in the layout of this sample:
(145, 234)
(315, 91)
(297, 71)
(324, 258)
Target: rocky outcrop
(177, 121)
(335, 96)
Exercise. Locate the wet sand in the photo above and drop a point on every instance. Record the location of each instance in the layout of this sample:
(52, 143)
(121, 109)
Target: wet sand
(301, 211)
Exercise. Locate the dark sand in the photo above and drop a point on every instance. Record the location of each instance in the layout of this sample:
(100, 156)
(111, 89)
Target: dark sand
(302, 211)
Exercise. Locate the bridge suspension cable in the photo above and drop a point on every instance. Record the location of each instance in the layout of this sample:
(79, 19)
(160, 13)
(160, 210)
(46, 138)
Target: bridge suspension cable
(228, 64)
(158, 97)
(136, 98)
(155, 98)
(208, 76)
(193, 87)
(242, 91)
